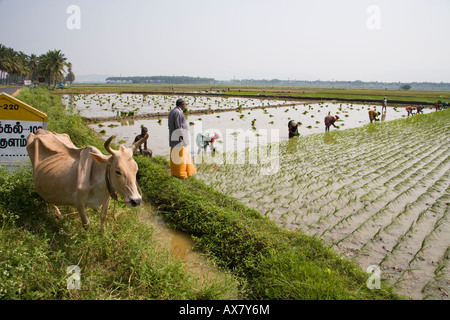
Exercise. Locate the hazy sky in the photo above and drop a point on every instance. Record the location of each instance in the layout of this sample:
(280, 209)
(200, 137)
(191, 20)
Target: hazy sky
(396, 40)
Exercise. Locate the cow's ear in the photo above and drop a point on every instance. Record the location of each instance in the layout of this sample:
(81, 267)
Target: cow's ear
(99, 157)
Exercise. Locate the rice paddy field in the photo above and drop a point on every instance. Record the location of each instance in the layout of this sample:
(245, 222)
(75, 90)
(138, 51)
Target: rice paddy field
(111, 105)
(378, 194)
(241, 122)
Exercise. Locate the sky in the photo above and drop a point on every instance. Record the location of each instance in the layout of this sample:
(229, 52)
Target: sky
(368, 40)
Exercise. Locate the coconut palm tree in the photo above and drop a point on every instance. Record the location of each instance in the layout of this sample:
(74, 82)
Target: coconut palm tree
(16, 66)
(34, 63)
(70, 76)
(51, 65)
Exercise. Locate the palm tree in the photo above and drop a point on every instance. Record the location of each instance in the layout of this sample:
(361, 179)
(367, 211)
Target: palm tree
(33, 63)
(51, 65)
(70, 76)
(16, 66)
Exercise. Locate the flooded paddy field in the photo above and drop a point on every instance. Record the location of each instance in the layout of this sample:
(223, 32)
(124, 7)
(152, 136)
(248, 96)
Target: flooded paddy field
(112, 105)
(378, 194)
(241, 122)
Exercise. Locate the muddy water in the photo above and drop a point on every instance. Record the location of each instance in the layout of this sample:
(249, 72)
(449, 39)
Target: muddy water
(382, 204)
(181, 247)
(250, 127)
(109, 105)
(378, 196)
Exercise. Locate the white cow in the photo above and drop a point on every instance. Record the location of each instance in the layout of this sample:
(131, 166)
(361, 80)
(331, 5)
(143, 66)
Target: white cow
(66, 175)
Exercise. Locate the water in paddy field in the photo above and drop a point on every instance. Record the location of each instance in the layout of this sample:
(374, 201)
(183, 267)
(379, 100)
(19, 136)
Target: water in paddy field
(241, 122)
(379, 196)
(110, 105)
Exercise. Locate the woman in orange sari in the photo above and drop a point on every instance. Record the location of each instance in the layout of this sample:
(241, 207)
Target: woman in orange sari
(181, 165)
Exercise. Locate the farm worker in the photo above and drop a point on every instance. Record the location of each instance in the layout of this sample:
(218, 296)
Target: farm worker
(373, 115)
(181, 165)
(205, 139)
(384, 104)
(419, 109)
(145, 151)
(410, 110)
(329, 121)
(293, 128)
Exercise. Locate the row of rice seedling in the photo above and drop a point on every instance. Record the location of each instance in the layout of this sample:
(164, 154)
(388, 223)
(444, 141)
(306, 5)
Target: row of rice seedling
(378, 193)
(108, 105)
(374, 195)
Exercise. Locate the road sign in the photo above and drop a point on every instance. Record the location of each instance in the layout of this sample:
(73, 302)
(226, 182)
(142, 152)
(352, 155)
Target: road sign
(17, 121)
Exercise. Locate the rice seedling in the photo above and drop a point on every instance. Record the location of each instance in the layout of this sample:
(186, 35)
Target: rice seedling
(377, 187)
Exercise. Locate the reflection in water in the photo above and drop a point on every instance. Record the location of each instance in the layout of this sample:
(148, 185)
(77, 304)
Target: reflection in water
(308, 116)
(383, 115)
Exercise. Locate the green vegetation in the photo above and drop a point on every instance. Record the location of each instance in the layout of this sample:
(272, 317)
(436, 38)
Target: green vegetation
(276, 264)
(378, 193)
(125, 263)
(361, 95)
(17, 66)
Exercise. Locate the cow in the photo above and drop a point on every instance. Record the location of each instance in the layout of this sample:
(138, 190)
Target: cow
(66, 175)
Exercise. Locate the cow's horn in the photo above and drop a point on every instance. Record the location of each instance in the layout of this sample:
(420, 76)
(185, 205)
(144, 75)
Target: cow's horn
(108, 142)
(139, 142)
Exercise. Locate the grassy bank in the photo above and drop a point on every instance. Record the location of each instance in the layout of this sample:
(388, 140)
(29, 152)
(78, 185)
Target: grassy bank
(125, 263)
(275, 263)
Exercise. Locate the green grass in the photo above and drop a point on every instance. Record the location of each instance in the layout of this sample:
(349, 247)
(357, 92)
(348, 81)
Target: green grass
(276, 264)
(267, 262)
(353, 187)
(124, 262)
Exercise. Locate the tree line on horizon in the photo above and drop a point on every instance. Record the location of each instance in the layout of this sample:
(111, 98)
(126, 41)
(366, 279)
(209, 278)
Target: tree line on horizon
(162, 79)
(50, 67)
(277, 82)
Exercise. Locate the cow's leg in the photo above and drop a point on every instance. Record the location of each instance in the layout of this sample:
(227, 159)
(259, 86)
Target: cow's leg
(83, 215)
(104, 212)
(57, 212)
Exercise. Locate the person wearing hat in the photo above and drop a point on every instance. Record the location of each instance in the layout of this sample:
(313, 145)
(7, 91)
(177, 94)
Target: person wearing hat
(329, 121)
(293, 128)
(145, 151)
